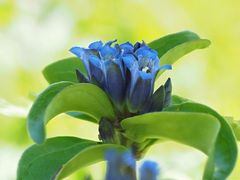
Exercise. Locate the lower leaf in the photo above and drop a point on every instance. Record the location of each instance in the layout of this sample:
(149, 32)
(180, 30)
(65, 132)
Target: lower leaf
(59, 157)
(88, 156)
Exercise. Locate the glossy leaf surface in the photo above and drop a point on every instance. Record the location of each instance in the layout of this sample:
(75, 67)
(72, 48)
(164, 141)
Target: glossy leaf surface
(224, 154)
(35, 118)
(85, 98)
(64, 70)
(172, 47)
(177, 126)
(59, 157)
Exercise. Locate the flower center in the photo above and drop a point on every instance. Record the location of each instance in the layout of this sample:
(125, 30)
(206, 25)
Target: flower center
(146, 69)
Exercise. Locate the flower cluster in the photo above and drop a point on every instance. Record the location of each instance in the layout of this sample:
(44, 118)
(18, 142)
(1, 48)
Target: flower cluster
(122, 166)
(126, 72)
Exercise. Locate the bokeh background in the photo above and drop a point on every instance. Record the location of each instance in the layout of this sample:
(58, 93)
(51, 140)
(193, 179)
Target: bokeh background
(34, 33)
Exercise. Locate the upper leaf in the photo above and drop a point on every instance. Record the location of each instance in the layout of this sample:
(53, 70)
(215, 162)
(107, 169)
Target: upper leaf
(186, 128)
(235, 124)
(224, 155)
(82, 116)
(172, 47)
(62, 155)
(165, 43)
(36, 115)
(85, 98)
(64, 70)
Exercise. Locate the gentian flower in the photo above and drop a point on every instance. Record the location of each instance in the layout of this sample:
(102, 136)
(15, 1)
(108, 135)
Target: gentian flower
(120, 166)
(149, 170)
(143, 64)
(126, 72)
(104, 68)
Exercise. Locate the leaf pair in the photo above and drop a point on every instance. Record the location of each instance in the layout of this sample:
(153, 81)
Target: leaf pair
(192, 124)
(67, 97)
(189, 123)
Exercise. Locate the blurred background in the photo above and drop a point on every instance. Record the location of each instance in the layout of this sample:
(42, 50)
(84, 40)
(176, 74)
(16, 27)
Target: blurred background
(34, 33)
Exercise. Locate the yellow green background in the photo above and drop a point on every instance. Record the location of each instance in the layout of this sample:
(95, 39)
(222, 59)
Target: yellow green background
(34, 33)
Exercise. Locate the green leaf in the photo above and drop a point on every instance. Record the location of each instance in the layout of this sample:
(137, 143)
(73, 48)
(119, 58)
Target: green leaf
(59, 155)
(235, 124)
(85, 98)
(165, 43)
(172, 47)
(81, 116)
(176, 100)
(224, 155)
(36, 115)
(63, 70)
(89, 156)
(186, 128)
(45, 160)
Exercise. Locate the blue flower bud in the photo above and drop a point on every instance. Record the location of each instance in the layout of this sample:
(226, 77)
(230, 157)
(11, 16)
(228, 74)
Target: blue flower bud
(120, 166)
(149, 171)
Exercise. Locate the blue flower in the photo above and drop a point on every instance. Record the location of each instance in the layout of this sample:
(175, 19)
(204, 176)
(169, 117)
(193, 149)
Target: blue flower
(149, 170)
(120, 166)
(104, 68)
(143, 64)
(126, 72)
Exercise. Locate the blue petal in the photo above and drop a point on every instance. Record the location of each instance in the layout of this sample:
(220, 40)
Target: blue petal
(83, 55)
(77, 51)
(115, 82)
(126, 47)
(145, 75)
(120, 64)
(118, 167)
(156, 62)
(139, 93)
(95, 61)
(118, 50)
(107, 52)
(149, 171)
(96, 45)
(167, 67)
(110, 155)
(97, 75)
(145, 52)
(136, 46)
(129, 160)
(129, 60)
